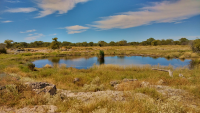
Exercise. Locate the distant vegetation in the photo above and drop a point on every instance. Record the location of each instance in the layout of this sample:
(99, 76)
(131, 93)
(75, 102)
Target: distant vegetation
(2, 48)
(56, 44)
(196, 46)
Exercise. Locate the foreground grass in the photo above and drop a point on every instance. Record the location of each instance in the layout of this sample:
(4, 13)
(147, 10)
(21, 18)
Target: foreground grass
(102, 75)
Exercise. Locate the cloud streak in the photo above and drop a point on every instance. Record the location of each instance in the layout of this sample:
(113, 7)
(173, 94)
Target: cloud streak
(36, 36)
(53, 34)
(28, 31)
(12, 1)
(7, 21)
(52, 6)
(163, 12)
(21, 10)
(76, 29)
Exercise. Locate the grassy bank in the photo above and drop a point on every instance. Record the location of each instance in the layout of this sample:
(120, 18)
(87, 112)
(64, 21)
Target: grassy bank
(171, 51)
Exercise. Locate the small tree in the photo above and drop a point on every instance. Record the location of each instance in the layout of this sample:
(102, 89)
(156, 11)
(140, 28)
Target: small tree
(184, 41)
(102, 43)
(8, 43)
(196, 46)
(54, 43)
(91, 43)
(155, 43)
(2, 48)
(122, 43)
(31, 66)
(148, 41)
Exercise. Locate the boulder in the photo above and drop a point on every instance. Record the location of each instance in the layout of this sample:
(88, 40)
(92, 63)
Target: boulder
(144, 84)
(181, 75)
(34, 109)
(160, 82)
(39, 87)
(113, 83)
(128, 80)
(2, 87)
(76, 80)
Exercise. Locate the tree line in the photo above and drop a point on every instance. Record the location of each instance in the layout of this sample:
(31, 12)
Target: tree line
(150, 41)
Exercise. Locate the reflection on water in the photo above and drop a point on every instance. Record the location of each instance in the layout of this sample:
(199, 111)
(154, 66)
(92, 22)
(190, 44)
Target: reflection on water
(87, 62)
(55, 60)
(101, 60)
(121, 57)
(194, 63)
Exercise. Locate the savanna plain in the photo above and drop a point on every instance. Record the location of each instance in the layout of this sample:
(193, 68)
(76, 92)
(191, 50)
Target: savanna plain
(101, 88)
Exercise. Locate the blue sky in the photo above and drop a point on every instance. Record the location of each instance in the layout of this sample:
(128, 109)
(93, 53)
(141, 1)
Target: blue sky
(95, 20)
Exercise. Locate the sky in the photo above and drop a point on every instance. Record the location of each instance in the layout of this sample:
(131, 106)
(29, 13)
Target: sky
(95, 20)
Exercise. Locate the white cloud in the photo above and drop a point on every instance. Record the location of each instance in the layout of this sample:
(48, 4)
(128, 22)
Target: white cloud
(28, 31)
(7, 21)
(163, 12)
(36, 36)
(21, 10)
(53, 34)
(52, 6)
(73, 32)
(30, 34)
(12, 1)
(76, 29)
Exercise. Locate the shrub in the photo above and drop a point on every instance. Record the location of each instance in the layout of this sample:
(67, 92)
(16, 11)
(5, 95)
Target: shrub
(67, 47)
(2, 48)
(196, 46)
(24, 68)
(54, 44)
(26, 54)
(101, 54)
(31, 66)
(94, 85)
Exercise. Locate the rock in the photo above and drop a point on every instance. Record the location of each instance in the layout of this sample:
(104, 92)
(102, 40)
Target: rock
(116, 86)
(35, 109)
(160, 82)
(76, 80)
(170, 73)
(2, 75)
(181, 75)
(144, 84)
(39, 87)
(128, 80)
(48, 66)
(113, 83)
(91, 96)
(2, 87)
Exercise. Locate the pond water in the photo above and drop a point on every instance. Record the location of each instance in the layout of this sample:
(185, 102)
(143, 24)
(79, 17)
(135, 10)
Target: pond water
(87, 62)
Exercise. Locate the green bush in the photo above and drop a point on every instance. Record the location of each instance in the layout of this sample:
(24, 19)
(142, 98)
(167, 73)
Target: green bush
(27, 54)
(196, 46)
(3, 50)
(101, 54)
(31, 66)
(67, 47)
(54, 44)
(24, 68)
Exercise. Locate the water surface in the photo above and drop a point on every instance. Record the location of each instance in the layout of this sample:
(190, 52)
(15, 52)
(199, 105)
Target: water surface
(87, 62)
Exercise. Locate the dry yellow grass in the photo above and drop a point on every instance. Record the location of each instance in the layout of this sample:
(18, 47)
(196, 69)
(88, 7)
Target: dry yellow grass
(63, 78)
